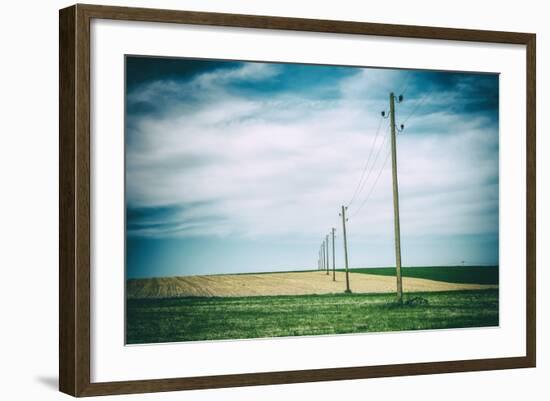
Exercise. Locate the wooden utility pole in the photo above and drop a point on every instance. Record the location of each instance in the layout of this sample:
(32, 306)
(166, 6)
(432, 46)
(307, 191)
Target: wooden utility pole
(395, 201)
(325, 250)
(343, 214)
(323, 256)
(328, 263)
(333, 256)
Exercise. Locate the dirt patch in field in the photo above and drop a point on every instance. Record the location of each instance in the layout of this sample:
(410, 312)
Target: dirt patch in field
(299, 283)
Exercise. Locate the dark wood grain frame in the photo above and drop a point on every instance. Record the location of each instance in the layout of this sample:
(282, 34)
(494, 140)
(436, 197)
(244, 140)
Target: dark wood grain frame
(74, 199)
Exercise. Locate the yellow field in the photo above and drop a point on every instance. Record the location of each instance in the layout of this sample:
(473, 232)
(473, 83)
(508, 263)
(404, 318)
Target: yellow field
(298, 283)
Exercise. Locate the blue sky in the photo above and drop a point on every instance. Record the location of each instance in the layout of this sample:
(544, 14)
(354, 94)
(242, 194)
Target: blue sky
(243, 166)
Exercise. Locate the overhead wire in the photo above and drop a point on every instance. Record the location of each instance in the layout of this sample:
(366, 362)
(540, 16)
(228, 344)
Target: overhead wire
(373, 186)
(368, 171)
(373, 145)
(375, 160)
(406, 83)
(419, 103)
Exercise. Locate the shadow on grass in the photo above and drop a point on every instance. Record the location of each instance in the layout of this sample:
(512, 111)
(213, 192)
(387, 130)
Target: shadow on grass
(408, 303)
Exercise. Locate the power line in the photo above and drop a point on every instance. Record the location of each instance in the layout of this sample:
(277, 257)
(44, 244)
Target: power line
(374, 162)
(406, 83)
(379, 172)
(397, 231)
(373, 186)
(355, 193)
(382, 145)
(417, 105)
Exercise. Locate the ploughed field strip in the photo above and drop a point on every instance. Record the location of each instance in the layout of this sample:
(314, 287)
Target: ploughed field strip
(272, 284)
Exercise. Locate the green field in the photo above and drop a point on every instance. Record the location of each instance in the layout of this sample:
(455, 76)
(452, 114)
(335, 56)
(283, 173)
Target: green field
(450, 274)
(216, 318)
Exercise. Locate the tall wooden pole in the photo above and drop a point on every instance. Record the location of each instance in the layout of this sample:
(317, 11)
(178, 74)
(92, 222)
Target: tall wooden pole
(343, 214)
(395, 201)
(328, 263)
(323, 256)
(333, 256)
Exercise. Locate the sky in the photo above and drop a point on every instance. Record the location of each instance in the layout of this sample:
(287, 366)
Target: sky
(236, 166)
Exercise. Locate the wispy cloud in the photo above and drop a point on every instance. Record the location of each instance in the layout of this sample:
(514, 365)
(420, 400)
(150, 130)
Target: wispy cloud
(226, 158)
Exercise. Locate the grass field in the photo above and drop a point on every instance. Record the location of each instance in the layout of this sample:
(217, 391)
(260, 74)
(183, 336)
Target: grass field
(449, 274)
(216, 318)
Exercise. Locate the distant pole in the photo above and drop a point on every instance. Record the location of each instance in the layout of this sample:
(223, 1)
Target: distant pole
(333, 256)
(323, 255)
(328, 263)
(395, 201)
(343, 214)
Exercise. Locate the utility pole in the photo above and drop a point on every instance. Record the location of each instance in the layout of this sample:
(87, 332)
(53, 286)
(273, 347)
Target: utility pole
(328, 263)
(395, 200)
(322, 256)
(333, 256)
(343, 214)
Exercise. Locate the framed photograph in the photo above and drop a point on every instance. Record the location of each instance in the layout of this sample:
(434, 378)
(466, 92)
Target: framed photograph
(250, 200)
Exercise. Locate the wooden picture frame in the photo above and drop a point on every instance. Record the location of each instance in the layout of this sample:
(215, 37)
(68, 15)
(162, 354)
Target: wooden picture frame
(74, 199)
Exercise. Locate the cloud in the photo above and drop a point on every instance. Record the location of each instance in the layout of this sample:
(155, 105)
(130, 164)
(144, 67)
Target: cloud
(247, 72)
(201, 87)
(221, 161)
